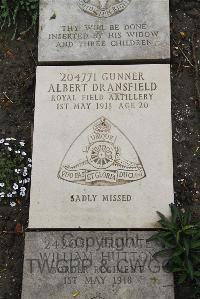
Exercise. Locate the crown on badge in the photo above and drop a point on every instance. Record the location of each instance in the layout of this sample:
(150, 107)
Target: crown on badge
(102, 126)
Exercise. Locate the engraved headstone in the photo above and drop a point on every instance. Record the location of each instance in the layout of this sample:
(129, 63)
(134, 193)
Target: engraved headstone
(83, 30)
(94, 265)
(102, 155)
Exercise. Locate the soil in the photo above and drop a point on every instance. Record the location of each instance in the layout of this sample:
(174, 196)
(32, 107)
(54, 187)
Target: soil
(18, 60)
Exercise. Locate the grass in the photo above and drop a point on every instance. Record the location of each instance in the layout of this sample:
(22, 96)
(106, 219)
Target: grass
(13, 11)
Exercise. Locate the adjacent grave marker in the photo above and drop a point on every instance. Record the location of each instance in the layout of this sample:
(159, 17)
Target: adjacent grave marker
(84, 30)
(94, 265)
(102, 147)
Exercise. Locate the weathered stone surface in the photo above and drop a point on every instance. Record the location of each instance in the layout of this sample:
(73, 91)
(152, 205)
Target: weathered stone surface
(102, 155)
(88, 265)
(83, 30)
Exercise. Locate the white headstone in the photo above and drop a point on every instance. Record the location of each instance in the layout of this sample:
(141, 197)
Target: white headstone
(102, 150)
(83, 30)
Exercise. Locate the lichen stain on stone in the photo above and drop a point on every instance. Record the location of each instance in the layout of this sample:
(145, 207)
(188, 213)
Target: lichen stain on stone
(76, 294)
(154, 280)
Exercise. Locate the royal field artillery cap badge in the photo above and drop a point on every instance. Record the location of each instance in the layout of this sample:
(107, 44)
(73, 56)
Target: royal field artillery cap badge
(101, 155)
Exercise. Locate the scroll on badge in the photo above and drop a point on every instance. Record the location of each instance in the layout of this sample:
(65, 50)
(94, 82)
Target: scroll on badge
(103, 8)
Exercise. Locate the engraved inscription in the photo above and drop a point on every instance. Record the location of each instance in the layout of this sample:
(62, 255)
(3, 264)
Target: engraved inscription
(108, 265)
(100, 30)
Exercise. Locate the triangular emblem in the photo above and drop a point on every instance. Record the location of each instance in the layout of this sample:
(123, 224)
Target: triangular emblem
(100, 156)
